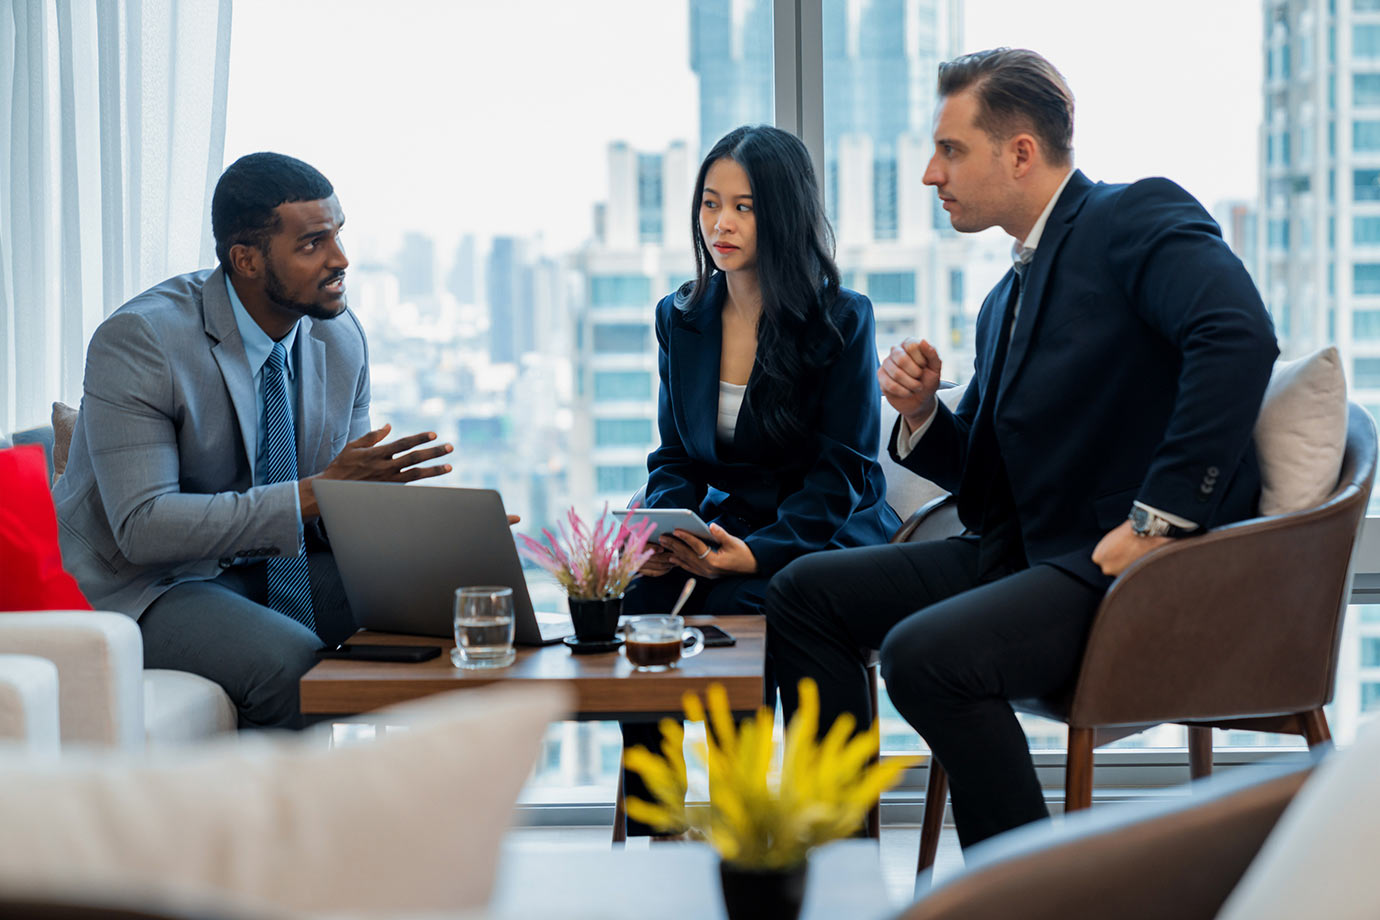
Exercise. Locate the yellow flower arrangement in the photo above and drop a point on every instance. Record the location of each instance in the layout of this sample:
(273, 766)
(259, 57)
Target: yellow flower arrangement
(765, 814)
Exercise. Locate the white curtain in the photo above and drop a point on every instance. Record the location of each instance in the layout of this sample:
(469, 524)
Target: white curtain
(112, 132)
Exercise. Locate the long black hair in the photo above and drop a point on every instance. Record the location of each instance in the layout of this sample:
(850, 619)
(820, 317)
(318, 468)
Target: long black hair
(796, 334)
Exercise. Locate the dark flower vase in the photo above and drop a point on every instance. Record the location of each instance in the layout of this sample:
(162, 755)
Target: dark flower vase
(763, 894)
(595, 619)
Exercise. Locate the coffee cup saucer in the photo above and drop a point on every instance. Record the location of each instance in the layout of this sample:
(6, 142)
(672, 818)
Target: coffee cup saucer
(592, 646)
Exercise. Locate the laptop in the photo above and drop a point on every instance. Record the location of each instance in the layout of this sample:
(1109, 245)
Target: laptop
(403, 550)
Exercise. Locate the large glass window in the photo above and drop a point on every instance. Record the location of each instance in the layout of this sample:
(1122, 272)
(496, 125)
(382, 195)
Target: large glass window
(609, 432)
(1365, 278)
(511, 173)
(621, 338)
(1365, 231)
(1365, 89)
(1365, 136)
(1365, 41)
(620, 291)
(615, 386)
(1365, 325)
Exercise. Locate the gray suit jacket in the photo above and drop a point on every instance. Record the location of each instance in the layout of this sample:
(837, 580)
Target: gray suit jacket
(159, 487)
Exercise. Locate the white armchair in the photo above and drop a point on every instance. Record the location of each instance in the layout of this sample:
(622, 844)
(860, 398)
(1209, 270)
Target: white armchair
(29, 703)
(105, 697)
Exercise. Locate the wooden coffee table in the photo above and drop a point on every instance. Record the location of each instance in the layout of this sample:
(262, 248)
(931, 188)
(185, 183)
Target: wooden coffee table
(606, 687)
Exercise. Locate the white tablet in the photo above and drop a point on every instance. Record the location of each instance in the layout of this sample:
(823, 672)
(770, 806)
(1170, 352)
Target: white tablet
(667, 520)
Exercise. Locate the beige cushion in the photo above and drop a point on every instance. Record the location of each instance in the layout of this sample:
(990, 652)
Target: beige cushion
(409, 822)
(1320, 860)
(905, 491)
(64, 420)
(1300, 434)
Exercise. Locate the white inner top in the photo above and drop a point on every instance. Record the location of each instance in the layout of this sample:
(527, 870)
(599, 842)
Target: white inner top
(730, 402)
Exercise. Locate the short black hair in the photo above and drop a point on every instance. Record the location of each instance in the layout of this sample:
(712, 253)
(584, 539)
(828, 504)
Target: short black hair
(247, 194)
(1016, 90)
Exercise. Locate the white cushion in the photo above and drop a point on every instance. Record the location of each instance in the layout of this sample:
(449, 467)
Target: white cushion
(1300, 434)
(1320, 859)
(180, 706)
(905, 491)
(408, 822)
(29, 702)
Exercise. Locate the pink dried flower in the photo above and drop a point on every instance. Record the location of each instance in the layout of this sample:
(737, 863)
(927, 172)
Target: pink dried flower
(591, 564)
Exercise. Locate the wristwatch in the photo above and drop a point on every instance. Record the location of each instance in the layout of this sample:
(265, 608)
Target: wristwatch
(1148, 524)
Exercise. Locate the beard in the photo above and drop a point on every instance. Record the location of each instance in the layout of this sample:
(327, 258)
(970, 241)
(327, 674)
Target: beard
(277, 292)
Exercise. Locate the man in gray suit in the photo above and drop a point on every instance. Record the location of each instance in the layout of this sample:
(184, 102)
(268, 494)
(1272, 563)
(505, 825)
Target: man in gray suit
(211, 402)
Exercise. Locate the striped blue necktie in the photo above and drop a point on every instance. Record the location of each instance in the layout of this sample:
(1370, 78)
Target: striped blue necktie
(289, 586)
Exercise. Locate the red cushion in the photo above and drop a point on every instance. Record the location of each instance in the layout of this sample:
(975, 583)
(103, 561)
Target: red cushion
(30, 561)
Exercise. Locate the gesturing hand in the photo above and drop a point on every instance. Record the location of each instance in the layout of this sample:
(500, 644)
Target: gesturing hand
(909, 378)
(694, 555)
(367, 459)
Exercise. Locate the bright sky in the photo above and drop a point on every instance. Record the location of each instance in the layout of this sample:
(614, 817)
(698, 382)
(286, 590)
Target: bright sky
(451, 116)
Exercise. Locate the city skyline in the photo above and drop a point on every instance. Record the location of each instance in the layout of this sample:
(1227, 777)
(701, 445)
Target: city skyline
(524, 155)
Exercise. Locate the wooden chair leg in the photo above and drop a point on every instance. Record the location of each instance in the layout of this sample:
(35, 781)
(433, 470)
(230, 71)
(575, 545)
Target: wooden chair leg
(1315, 728)
(1078, 770)
(620, 829)
(874, 814)
(936, 793)
(1199, 751)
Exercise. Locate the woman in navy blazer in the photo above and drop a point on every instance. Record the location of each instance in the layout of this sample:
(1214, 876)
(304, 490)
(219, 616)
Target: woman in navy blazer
(769, 410)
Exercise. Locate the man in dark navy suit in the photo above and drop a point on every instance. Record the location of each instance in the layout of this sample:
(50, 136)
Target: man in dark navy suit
(1120, 367)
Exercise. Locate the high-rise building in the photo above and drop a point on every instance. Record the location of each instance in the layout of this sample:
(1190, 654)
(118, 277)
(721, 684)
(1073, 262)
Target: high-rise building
(463, 279)
(416, 266)
(731, 54)
(510, 295)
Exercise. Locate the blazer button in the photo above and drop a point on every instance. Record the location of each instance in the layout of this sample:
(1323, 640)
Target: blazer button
(1213, 472)
(1205, 488)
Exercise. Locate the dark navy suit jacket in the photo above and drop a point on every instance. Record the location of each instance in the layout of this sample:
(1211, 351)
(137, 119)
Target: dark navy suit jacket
(826, 492)
(1135, 371)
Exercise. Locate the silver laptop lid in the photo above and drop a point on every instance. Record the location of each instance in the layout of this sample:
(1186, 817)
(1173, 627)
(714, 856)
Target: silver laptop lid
(403, 550)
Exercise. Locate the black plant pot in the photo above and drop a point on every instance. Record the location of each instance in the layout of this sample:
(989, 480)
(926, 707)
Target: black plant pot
(595, 619)
(763, 894)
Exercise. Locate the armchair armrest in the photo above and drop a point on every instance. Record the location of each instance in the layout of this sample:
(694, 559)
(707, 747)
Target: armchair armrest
(1245, 619)
(29, 702)
(100, 663)
(936, 519)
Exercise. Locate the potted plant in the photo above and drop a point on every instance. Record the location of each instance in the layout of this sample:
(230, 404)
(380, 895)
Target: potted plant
(765, 814)
(594, 567)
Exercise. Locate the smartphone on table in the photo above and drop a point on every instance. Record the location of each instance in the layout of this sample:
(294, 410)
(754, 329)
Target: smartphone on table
(365, 652)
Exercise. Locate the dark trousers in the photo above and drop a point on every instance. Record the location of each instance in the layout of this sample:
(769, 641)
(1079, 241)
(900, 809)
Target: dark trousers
(958, 638)
(222, 630)
(658, 595)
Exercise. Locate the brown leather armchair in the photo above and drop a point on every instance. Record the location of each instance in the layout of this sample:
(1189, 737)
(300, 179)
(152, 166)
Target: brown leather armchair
(1238, 628)
(1178, 858)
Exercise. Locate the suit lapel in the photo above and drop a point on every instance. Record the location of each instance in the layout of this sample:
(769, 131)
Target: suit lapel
(219, 319)
(696, 348)
(1046, 253)
(310, 418)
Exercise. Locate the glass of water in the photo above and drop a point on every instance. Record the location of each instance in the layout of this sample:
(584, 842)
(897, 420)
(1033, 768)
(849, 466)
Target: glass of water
(483, 627)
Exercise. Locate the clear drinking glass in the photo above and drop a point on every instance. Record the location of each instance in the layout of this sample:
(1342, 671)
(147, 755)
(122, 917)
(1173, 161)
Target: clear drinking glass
(483, 627)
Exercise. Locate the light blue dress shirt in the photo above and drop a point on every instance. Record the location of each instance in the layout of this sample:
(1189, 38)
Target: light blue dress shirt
(257, 347)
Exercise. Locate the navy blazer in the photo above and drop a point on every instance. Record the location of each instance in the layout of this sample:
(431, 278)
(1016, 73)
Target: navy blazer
(826, 492)
(1135, 371)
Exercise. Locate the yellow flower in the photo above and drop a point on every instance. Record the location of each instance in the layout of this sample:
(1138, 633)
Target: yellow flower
(766, 812)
